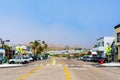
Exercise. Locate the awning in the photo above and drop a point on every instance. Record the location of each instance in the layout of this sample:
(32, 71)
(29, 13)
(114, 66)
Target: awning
(94, 53)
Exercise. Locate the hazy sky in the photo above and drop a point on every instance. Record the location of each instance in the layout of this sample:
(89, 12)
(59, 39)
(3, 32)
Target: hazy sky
(65, 22)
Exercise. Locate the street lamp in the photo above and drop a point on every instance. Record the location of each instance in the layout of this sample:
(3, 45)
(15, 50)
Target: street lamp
(2, 42)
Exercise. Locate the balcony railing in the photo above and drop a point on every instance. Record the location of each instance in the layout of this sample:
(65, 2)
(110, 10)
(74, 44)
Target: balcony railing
(98, 49)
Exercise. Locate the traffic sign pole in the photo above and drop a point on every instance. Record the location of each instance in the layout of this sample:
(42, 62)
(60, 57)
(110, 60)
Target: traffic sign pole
(19, 49)
(108, 52)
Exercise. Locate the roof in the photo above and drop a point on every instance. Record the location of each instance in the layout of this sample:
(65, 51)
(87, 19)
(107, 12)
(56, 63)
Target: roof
(117, 26)
(93, 52)
(105, 37)
(100, 38)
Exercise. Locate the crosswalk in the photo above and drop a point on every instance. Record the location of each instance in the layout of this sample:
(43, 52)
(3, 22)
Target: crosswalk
(57, 63)
(70, 66)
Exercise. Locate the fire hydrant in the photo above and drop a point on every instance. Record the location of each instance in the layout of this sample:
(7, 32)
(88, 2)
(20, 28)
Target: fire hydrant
(101, 61)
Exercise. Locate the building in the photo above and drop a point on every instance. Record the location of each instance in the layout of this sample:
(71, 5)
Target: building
(114, 54)
(117, 40)
(25, 49)
(92, 53)
(102, 44)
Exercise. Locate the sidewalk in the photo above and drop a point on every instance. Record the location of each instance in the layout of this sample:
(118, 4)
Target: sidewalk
(10, 65)
(112, 64)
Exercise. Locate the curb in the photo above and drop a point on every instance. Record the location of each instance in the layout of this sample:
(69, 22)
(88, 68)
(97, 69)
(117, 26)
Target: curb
(10, 65)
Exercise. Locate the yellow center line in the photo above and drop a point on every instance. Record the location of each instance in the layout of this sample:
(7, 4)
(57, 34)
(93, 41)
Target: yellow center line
(30, 73)
(53, 61)
(67, 73)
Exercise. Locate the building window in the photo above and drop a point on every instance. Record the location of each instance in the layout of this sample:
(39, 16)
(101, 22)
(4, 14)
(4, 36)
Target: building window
(118, 37)
(102, 44)
(98, 44)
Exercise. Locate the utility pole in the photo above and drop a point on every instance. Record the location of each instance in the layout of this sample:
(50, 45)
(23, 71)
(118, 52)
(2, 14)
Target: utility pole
(1, 43)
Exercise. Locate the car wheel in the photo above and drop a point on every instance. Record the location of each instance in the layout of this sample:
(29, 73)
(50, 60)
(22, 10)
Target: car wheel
(12, 62)
(25, 62)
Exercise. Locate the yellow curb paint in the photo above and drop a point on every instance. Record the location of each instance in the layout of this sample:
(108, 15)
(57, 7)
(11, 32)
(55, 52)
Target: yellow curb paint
(30, 73)
(67, 73)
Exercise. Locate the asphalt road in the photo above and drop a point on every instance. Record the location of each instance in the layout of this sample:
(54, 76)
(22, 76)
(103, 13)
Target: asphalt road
(60, 69)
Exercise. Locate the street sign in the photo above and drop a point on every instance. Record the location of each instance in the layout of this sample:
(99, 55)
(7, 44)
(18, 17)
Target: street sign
(19, 49)
(108, 49)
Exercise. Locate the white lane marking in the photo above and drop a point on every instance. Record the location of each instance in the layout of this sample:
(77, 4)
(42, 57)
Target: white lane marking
(78, 68)
(54, 65)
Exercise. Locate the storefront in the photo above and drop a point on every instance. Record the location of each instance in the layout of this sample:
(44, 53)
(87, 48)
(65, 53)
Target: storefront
(2, 55)
(117, 40)
(100, 53)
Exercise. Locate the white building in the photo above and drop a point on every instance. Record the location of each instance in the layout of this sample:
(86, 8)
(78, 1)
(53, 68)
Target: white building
(25, 49)
(102, 44)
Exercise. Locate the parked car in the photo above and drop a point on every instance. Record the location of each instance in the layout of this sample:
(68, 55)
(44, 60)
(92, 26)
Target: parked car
(80, 58)
(23, 60)
(96, 59)
(43, 56)
(35, 58)
(85, 58)
(89, 59)
(92, 59)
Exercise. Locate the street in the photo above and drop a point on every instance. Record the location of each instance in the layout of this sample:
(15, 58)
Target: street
(60, 69)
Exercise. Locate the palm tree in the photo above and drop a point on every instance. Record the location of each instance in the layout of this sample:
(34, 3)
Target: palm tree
(38, 47)
(7, 50)
(45, 46)
(43, 42)
(35, 45)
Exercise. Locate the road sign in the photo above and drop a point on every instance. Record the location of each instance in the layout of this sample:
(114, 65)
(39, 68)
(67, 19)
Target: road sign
(108, 49)
(19, 49)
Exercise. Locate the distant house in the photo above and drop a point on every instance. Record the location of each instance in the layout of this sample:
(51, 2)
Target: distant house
(92, 53)
(102, 44)
(25, 49)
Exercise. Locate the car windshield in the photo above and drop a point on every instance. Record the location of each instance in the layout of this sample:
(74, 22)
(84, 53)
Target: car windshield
(25, 57)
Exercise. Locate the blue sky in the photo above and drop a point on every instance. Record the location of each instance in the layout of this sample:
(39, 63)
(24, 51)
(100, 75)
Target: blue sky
(64, 22)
